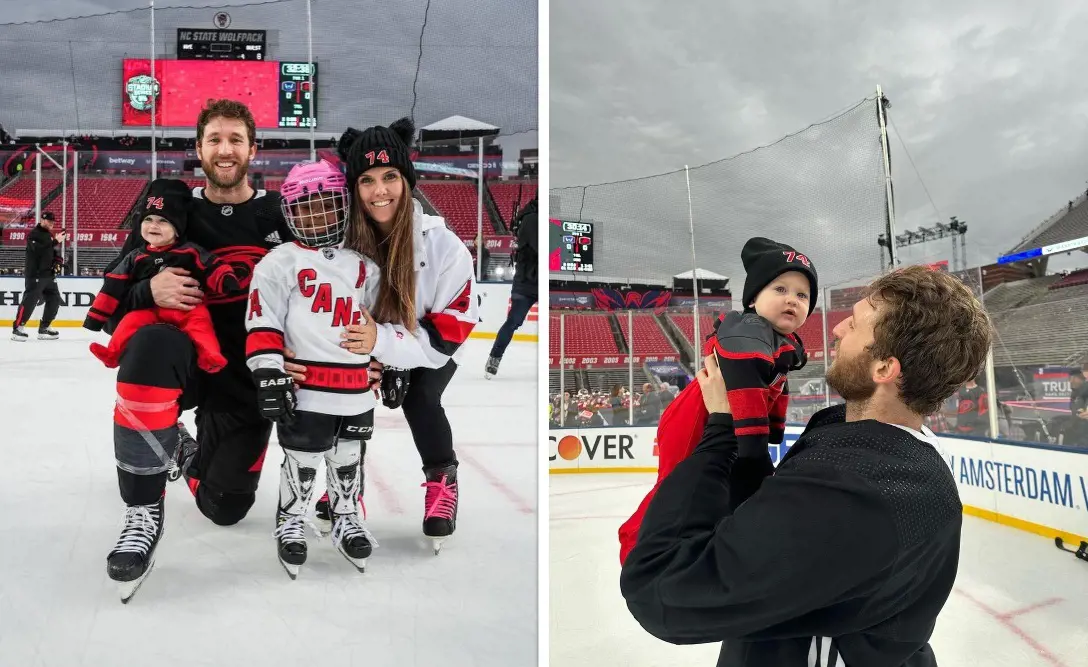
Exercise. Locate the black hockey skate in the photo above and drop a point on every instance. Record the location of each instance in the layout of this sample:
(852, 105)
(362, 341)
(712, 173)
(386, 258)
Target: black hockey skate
(133, 557)
(492, 367)
(291, 540)
(440, 505)
(48, 334)
(19, 335)
(184, 457)
(352, 539)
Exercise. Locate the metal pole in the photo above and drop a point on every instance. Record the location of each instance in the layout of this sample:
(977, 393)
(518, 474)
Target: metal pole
(887, 176)
(64, 196)
(694, 262)
(37, 185)
(631, 366)
(313, 91)
(480, 214)
(154, 84)
(827, 348)
(75, 214)
(562, 369)
(991, 381)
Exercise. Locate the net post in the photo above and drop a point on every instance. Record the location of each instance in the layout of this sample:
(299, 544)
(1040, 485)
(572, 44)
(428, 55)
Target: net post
(154, 97)
(631, 365)
(827, 350)
(694, 262)
(562, 369)
(313, 91)
(480, 212)
(75, 213)
(888, 192)
(37, 184)
(991, 378)
(64, 195)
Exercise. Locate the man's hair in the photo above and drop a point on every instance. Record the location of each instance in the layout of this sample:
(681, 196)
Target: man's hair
(935, 327)
(1076, 373)
(229, 109)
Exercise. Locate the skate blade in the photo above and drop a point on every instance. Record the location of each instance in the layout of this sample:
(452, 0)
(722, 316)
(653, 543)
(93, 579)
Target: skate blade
(42, 337)
(359, 563)
(18, 339)
(127, 589)
(436, 543)
(322, 527)
(292, 570)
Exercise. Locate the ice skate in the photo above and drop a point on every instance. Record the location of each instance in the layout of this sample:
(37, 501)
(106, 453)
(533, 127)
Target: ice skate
(440, 505)
(492, 367)
(344, 476)
(133, 557)
(323, 516)
(19, 335)
(48, 334)
(185, 456)
(297, 475)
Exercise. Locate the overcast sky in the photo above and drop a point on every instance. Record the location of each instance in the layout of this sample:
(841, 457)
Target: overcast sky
(479, 59)
(988, 96)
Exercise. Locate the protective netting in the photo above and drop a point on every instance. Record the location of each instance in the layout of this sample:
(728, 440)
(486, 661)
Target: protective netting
(376, 63)
(821, 190)
(80, 90)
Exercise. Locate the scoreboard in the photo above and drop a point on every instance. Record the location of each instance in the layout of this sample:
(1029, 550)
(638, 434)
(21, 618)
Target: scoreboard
(571, 246)
(296, 92)
(200, 44)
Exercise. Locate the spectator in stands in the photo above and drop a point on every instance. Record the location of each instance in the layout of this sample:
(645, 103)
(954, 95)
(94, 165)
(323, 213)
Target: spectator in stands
(649, 408)
(44, 261)
(665, 396)
(523, 292)
(618, 413)
(1076, 431)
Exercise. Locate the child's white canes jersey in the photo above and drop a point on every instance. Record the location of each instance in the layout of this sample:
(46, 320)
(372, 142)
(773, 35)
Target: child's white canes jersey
(447, 307)
(302, 298)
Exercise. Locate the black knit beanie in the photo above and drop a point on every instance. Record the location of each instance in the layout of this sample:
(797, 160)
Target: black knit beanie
(171, 199)
(379, 146)
(764, 260)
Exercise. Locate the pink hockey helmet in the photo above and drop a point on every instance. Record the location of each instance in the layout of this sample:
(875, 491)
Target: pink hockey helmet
(314, 199)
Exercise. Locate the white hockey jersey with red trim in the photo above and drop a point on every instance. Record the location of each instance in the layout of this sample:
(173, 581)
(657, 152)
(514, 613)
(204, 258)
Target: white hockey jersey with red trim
(302, 298)
(447, 305)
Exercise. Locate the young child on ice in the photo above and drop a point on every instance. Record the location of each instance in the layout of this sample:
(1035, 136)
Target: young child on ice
(755, 349)
(164, 215)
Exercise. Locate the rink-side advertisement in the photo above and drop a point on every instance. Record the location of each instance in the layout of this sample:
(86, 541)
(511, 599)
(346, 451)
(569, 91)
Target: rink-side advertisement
(1036, 489)
(77, 295)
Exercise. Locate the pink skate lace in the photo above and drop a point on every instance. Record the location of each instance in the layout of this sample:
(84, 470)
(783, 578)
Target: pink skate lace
(441, 499)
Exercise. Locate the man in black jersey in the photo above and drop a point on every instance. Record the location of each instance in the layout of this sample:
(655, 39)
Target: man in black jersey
(845, 553)
(158, 377)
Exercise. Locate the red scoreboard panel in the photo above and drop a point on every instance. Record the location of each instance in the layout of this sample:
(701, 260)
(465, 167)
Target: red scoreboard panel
(183, 87)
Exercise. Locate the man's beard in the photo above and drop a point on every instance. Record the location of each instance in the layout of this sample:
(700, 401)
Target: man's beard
(210, 173)
(851, 377)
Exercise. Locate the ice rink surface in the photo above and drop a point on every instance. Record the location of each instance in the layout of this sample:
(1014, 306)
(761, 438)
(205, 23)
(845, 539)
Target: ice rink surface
(1018, 600)
(218, 596)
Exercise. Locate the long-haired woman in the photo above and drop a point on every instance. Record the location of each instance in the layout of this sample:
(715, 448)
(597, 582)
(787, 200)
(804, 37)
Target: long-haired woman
(426, 308)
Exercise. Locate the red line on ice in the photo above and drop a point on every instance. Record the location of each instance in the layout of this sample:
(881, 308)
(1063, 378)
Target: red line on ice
(1031, 608)
(1012, 627)
(502, 488)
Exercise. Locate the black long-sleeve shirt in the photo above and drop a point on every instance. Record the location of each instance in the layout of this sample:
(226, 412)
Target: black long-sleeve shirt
(848, 550)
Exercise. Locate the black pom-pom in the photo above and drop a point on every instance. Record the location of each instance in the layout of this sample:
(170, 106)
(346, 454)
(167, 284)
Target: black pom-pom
(404, 128)
(343, 147)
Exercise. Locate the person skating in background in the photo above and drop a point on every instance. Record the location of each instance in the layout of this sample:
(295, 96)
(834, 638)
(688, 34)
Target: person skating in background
(972, 415)
(43, 263)
(523, 292)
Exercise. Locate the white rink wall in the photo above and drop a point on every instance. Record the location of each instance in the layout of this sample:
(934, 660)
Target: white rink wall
(77, 294)
(1037, 488)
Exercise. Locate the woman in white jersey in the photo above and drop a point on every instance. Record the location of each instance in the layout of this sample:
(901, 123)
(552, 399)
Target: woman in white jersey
(428, 291)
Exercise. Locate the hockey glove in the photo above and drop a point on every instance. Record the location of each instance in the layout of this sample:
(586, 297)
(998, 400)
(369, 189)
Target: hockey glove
(275, 394)
(394, 386)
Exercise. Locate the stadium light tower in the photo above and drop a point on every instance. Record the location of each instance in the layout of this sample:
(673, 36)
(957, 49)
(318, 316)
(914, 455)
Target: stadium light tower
(955, 229)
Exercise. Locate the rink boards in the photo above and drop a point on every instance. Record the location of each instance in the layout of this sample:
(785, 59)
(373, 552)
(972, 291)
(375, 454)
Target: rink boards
(1037, 488)
(77, 294)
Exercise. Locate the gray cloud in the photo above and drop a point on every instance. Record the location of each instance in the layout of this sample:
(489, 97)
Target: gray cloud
(986, 95)
(479, 59)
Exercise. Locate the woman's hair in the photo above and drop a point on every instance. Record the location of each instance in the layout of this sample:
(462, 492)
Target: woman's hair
(394, 255)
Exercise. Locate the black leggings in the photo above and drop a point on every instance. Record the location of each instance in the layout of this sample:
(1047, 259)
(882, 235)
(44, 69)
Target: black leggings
(426, 417)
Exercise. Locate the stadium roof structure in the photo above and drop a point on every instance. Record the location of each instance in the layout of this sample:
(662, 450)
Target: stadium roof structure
(1071, 222)
(700, 273)
(457, 128)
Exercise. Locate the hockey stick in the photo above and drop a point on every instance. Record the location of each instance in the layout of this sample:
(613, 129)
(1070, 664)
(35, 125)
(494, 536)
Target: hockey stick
(1081, 553)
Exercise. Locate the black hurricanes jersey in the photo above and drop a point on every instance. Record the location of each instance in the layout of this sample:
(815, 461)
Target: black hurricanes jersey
(240, 235)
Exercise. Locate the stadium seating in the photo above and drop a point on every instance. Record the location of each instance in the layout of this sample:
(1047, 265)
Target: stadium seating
(1052, 333)
(103, 201)
(506, 193)
(685, 322)
(586, 333)
(1072, 280)
(457, 202)
(649, 338)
